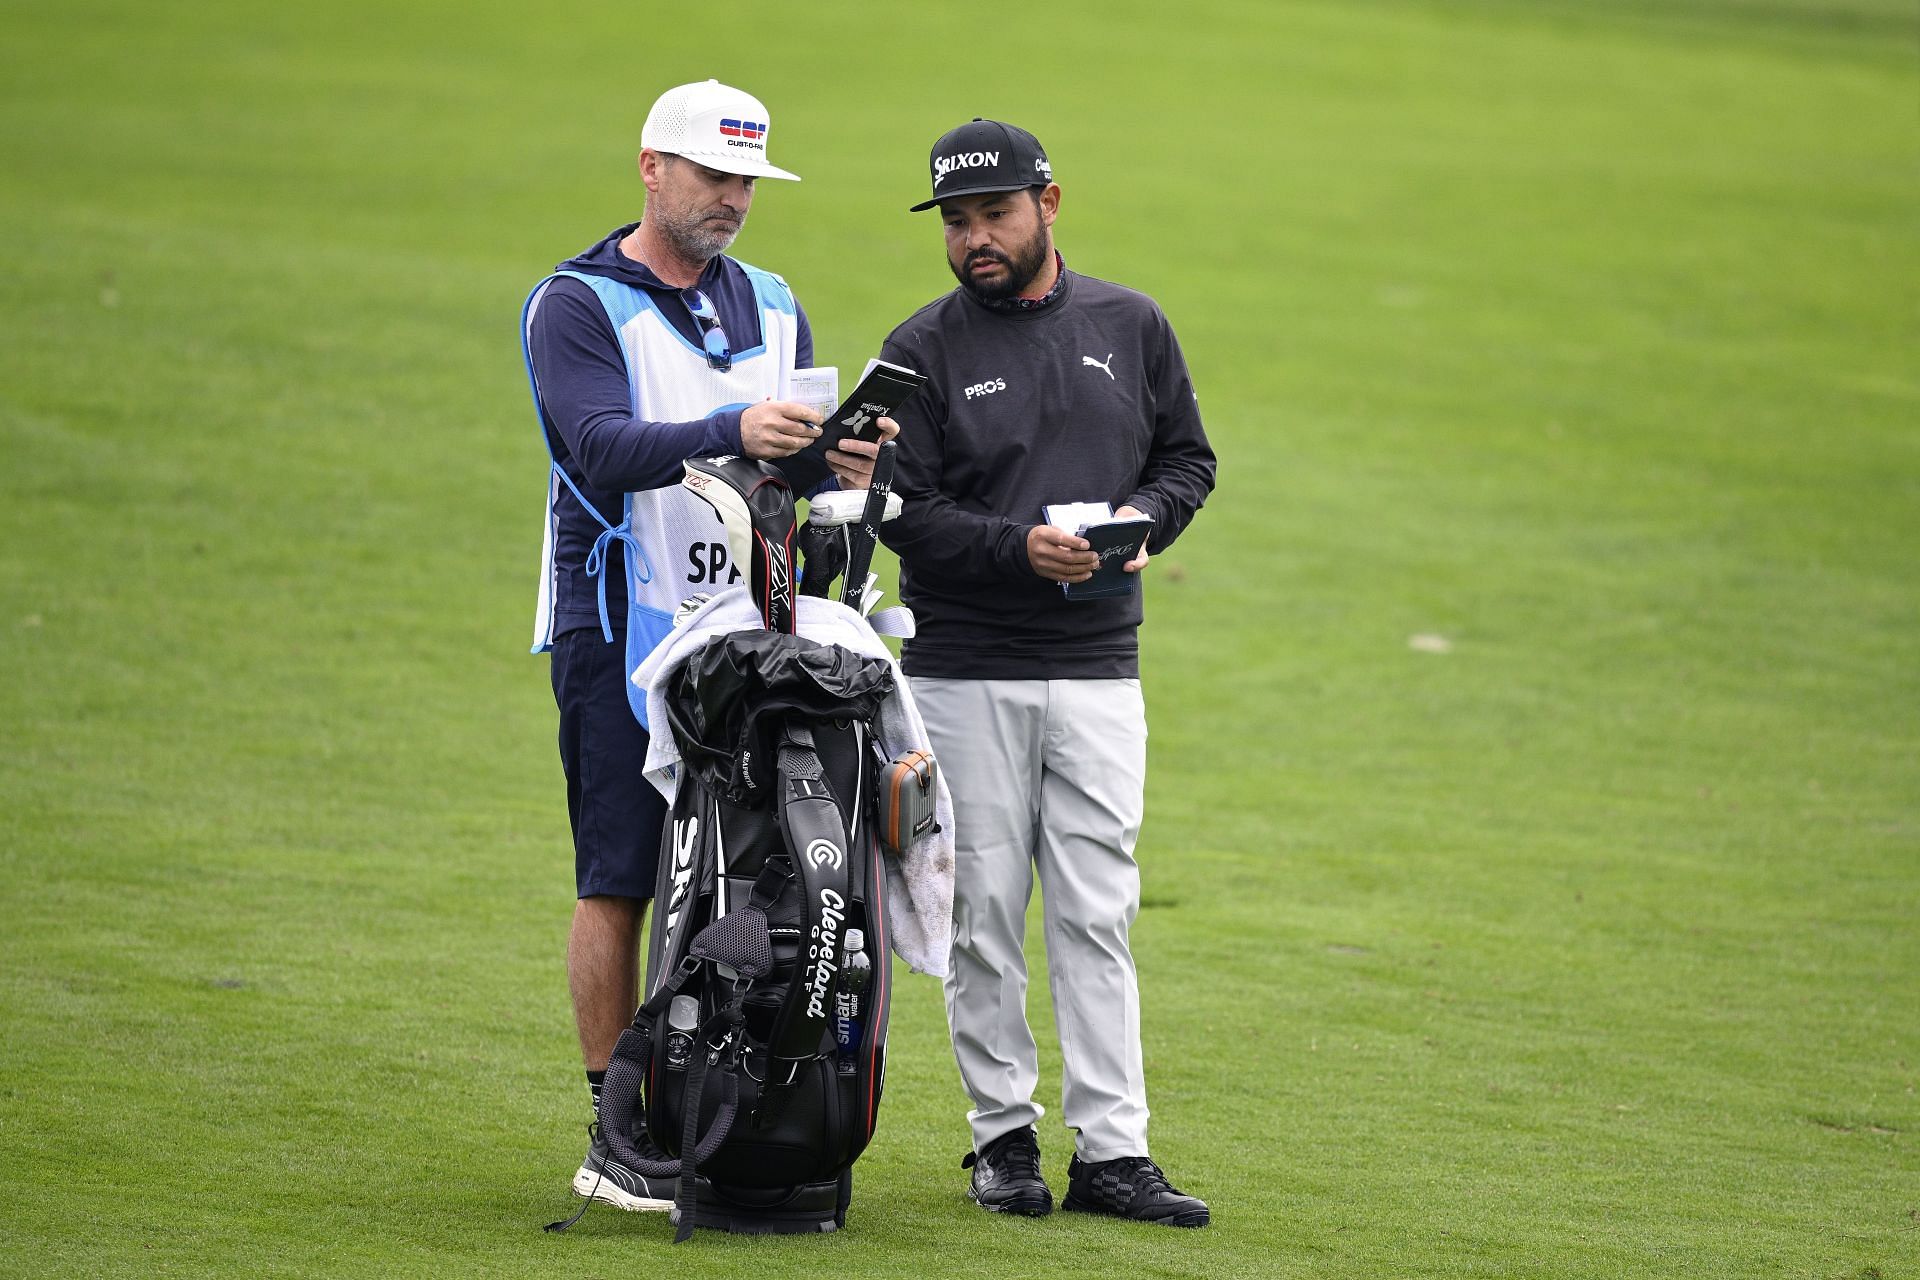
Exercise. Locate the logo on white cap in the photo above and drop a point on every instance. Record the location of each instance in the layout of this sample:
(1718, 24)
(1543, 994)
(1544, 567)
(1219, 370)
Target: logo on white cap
(713, 124)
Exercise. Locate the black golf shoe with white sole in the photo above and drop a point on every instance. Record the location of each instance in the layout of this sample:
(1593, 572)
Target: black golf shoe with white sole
(605, 1179)
(1006, 1175)
(1131, 1187)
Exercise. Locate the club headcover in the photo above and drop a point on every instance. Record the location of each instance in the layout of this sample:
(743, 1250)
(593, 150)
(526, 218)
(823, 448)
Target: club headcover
(823, 554)
(756, 507)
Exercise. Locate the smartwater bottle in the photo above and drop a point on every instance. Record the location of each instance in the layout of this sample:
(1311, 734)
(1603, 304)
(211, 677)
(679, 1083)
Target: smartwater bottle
(849, 999)
(683, 1021)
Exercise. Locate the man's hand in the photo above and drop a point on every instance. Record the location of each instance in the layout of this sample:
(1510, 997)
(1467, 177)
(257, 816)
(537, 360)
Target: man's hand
(853, 460)
(1139, 562)
(777, 429)
(1059, 556)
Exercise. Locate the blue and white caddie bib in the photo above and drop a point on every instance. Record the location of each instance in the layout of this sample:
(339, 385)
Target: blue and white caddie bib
(670, 536)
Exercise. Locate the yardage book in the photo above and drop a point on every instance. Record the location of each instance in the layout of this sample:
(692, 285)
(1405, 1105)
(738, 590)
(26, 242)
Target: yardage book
(1117, 539)
(883, 388)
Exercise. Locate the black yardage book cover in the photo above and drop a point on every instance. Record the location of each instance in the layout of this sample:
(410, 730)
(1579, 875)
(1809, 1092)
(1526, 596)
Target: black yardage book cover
(1117, 541)
(884, 388)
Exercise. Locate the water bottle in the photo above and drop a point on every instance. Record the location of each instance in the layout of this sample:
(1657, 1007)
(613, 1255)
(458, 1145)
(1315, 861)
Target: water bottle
(683, 1020)
(850, 986)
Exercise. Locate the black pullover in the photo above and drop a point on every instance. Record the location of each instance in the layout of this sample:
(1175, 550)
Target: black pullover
(1086, 399)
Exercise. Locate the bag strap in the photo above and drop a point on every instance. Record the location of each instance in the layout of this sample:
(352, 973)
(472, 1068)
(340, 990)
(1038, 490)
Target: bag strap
(740, 942)
(722, 1056)
(815, 833)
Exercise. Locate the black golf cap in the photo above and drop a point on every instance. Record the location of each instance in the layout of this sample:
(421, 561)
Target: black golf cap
(985, 155)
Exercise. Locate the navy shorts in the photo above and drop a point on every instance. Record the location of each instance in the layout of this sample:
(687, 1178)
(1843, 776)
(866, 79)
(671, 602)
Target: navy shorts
(616, 814)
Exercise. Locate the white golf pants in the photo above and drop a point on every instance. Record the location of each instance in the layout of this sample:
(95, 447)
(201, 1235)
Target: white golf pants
(1046, 774)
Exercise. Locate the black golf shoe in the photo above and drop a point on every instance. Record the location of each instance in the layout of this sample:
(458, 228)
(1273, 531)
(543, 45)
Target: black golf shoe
(1006, 1175)
(603, 1178)
(1131, 1187)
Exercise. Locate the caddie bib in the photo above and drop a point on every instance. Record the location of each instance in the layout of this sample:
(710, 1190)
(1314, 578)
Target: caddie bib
(672, 539)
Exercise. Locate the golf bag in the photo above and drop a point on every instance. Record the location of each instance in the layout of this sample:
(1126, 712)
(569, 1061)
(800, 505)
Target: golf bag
(753, 1069)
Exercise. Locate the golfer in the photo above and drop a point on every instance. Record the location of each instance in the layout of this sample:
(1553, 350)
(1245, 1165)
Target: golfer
(1044, 387)
(649, 348)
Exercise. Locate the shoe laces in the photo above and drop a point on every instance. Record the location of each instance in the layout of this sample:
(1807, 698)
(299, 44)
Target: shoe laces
(1017, 1153)
(1144, 1174)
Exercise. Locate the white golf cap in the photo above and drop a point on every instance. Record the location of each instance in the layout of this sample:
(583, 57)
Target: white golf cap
(715, 125)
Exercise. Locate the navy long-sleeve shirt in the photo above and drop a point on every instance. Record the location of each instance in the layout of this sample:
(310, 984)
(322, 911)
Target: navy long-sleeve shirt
(1085, 399)
(586, 408)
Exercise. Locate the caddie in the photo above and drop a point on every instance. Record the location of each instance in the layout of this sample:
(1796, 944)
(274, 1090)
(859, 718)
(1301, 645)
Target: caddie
(1044, 387)
(649, 348)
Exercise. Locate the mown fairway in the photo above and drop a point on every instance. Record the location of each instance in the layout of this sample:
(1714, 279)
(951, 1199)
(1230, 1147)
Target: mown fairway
(1577, 340)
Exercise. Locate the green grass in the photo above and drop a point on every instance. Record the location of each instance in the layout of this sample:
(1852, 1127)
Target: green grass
(1583, 336)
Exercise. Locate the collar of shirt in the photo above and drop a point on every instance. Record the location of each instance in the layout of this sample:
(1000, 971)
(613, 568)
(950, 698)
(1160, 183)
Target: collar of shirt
(1035, 304)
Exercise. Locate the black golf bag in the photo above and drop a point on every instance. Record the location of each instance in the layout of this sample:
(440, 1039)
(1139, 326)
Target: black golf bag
(753, 1069)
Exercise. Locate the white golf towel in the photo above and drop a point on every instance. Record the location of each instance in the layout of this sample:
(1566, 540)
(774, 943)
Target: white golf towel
(920, 883)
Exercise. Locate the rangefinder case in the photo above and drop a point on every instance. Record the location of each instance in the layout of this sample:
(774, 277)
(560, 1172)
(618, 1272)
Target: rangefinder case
(906, 800)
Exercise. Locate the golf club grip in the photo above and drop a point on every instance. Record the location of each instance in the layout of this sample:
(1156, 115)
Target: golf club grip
(860, 552)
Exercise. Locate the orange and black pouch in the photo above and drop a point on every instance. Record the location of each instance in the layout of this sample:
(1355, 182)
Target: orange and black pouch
(907, 791)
